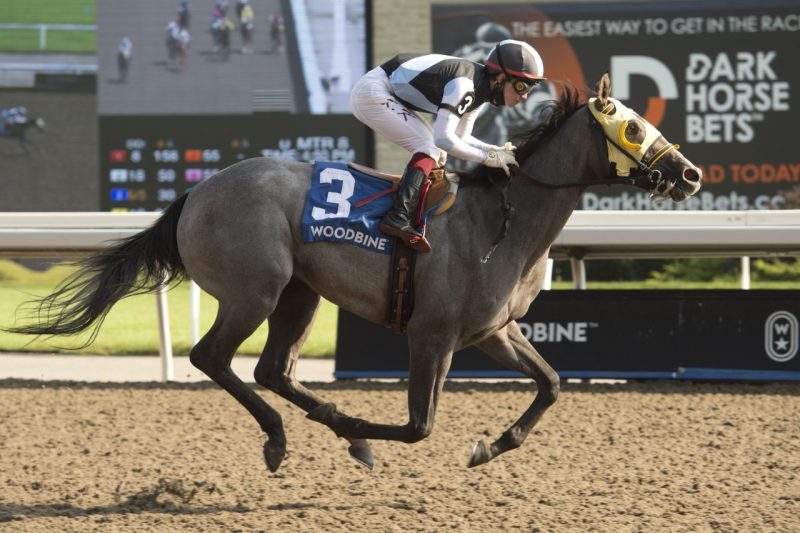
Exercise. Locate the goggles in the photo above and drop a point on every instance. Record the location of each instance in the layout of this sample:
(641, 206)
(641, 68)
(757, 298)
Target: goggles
(520, 87)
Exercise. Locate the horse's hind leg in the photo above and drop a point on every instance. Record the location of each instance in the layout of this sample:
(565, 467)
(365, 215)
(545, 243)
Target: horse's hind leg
(510, 348)
(430, 358)
(289, 326)
(213, 354)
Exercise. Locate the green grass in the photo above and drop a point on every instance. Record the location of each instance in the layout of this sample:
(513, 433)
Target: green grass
(132, 325)
(78, 42)
(54, 11)
(48, 11)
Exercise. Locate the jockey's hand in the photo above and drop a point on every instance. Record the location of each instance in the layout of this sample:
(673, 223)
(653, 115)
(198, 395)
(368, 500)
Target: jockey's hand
(500, 159)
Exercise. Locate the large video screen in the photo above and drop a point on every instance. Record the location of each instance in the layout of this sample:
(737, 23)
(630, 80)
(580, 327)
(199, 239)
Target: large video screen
(718, 78)
(185, 89)
(228, 57)
(142, 99)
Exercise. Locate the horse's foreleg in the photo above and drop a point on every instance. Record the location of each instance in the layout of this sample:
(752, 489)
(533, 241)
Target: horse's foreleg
(428, 366)
(213, 354)
(510, 348)
(289, 326)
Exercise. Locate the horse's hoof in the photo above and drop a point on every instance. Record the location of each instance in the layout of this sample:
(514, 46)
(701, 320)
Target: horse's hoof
(361, 451)
(480, 454)
(273, 456)
(322, 414)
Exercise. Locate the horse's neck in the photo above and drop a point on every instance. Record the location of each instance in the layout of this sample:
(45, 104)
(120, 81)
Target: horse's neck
(540, 213)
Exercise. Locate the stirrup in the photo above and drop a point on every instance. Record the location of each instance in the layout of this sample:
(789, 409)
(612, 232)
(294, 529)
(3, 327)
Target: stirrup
(419, 244)
(411, 240)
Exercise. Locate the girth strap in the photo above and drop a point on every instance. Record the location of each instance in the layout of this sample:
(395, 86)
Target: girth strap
(401, 286)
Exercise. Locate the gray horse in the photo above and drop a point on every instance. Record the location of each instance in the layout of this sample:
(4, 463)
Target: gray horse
(238, 236)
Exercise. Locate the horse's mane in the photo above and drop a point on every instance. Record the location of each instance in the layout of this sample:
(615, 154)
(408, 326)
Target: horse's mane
(552, 114)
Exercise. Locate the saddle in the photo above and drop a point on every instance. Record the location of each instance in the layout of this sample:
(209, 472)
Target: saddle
(437, 196)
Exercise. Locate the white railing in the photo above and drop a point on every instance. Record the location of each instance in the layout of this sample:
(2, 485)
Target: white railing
(631, 234)
(308, 58)
(43, 28)
(587, 235)
(648, 234)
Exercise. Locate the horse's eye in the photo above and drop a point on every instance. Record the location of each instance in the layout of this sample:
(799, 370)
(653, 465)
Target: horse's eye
(635, 132)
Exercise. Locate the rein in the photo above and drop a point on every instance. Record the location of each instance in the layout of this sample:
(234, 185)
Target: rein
(508, 212)
(609, 181)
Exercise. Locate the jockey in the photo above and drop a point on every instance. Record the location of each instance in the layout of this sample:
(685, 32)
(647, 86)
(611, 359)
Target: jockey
(125, 46)
(390, 97)
(221, 6)
(15, 115)
(184, 14)
(247, 24)
(172, 30)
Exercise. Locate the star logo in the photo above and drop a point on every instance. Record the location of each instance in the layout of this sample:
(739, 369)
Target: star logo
(781, 336)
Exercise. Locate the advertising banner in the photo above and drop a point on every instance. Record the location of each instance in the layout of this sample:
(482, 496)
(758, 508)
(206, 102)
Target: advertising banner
(718, 78)
(719, 334)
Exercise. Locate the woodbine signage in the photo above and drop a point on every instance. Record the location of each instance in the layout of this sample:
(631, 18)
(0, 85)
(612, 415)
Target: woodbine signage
(720, 334)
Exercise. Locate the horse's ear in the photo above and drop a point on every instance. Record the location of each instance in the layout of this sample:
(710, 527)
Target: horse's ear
(603, 89)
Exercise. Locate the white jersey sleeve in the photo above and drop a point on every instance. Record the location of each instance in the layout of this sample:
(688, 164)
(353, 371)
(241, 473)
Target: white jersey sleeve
(464, 131)
(446, 136)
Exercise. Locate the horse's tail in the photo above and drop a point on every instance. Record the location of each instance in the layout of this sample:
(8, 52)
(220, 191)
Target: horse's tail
(134, 265)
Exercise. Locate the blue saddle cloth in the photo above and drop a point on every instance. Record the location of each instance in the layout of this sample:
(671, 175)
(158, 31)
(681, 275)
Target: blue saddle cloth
(345, 205)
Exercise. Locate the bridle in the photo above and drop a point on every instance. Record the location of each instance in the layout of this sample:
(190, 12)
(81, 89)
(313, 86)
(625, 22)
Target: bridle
(647, 178)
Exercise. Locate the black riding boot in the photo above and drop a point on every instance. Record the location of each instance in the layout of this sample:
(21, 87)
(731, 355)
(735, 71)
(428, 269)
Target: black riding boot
(398, 222)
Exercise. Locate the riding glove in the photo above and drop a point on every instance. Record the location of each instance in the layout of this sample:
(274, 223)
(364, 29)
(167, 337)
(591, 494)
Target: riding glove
(500, 159)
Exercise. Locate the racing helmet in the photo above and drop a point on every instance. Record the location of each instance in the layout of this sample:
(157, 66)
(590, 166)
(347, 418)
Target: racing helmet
(518, 60)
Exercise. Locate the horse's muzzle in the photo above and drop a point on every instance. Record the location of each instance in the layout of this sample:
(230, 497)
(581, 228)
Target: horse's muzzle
(687, 185)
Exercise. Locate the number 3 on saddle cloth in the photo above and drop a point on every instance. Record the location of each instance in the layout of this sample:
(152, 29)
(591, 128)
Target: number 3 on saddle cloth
(347, 201)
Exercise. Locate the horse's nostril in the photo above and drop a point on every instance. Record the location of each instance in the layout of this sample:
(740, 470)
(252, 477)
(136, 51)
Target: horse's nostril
(692, 175)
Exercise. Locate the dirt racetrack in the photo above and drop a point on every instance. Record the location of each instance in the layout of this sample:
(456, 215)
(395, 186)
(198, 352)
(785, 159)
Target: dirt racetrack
(655, 456)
